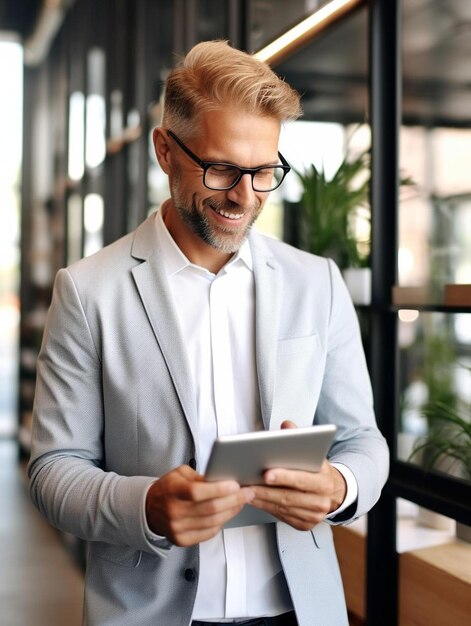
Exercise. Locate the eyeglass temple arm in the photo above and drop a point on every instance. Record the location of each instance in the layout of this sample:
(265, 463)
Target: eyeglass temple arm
(187, 150)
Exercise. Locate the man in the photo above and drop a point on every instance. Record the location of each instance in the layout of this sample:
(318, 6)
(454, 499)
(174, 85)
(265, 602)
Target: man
(194, 326)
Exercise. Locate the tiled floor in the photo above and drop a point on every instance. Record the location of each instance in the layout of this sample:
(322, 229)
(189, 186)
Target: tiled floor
(39, 583)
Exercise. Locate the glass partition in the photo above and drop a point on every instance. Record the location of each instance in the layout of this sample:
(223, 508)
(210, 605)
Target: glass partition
(434, 259)
(435, 385)
(435, 151)
(435, 214)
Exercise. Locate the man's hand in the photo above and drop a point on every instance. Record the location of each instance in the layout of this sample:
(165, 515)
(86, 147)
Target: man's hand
(299, 498)
(187, 510)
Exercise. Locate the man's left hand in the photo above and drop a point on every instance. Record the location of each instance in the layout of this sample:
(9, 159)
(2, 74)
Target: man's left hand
(299, 498)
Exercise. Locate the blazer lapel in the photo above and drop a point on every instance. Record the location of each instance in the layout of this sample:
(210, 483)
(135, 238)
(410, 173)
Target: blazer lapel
(267, 310)
(155, 295)
(154, 290)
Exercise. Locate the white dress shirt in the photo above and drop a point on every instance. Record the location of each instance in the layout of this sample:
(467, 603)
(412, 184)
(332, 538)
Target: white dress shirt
(240, 572)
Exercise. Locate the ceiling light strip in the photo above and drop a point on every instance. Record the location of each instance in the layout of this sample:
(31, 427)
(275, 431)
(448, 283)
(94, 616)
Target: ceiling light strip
(49, 21)
(305, 30)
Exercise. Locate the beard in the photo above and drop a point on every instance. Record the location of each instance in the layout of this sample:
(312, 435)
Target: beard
(226, 239)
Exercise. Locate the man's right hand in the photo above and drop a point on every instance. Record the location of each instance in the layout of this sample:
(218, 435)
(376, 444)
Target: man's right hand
(186, 509)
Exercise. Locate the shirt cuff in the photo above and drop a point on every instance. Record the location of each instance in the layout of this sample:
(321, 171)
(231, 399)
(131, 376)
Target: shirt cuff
(352, 489)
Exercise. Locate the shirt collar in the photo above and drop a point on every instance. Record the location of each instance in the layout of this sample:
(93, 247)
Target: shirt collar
(176, 261)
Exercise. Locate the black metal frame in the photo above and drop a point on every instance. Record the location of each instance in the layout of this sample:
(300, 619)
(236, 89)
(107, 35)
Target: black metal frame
(441, 493)
(382, 558)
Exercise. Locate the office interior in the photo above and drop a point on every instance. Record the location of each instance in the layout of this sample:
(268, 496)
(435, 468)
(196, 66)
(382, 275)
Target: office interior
(386, 89)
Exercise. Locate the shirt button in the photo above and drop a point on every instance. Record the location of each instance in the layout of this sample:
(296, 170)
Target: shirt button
(192, 463)
(190, 575)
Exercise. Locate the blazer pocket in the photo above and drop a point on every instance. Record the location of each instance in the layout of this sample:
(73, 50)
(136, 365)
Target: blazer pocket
(298, 345)
(322, 535)
(121, 555)
(298, 377)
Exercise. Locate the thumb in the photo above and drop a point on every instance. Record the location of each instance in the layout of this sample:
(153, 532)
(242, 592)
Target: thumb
(288, 424)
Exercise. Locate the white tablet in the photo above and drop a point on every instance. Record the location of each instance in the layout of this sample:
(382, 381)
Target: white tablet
(246, 457)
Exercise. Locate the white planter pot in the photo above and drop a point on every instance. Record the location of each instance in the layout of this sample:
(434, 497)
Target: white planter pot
(358, 281)
(430, 519)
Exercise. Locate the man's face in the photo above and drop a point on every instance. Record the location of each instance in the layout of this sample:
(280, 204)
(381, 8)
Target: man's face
(220, 219)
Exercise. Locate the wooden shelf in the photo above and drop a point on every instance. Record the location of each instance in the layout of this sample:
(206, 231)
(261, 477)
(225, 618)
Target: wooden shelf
(435, 586)
(434, 582)
(453, 299)
(432, 308)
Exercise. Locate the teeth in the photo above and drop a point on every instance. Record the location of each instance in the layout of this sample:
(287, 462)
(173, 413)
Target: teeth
(231, 216)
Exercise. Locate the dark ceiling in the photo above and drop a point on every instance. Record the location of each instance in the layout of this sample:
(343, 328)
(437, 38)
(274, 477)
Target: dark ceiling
(19, 16)
(332, 71)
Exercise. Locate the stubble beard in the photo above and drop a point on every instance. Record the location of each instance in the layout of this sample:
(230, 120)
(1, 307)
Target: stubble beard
(224, 239)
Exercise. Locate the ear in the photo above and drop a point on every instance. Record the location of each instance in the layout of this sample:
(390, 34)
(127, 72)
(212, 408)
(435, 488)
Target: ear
(162, 149)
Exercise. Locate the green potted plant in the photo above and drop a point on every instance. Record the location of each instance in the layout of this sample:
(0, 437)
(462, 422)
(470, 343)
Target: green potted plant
(329, 215)
(327, 209)
(335, 218)
(448, 440)
(447, 444)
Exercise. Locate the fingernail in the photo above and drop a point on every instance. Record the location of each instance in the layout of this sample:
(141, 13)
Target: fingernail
(270, 477)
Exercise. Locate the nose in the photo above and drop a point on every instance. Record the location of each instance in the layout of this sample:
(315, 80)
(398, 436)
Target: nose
(243, 192)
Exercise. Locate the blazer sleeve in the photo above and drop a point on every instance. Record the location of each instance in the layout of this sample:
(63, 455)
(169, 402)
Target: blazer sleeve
(67, 481)
(346, 400)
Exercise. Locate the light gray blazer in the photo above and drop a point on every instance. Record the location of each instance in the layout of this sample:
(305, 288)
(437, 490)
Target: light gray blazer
(114, 409)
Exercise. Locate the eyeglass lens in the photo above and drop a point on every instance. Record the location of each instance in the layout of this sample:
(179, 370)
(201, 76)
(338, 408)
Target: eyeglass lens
(224, 177)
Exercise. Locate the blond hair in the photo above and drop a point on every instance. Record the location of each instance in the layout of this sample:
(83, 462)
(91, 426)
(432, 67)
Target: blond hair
(214, 75)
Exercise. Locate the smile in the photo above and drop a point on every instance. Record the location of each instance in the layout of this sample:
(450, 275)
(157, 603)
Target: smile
(230, 216)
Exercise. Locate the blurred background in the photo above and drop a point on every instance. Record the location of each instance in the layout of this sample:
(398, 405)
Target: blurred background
(380, 182)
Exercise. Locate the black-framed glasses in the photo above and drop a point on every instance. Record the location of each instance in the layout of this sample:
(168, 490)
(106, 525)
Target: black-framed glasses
(224, 176)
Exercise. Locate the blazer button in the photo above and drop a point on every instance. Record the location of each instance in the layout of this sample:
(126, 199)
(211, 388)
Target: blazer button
(190, 575)
(192, 463)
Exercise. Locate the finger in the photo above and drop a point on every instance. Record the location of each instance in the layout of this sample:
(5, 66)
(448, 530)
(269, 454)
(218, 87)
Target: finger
(302, 524)
(197, 534)
(314, 482)
(216, 506)
(210, 520)
(176, 497)
(186, 484)
(298, 517)
(184, 515)
(194, 537)
(202, 491)
(190, 531)
(301, 519)
(288, 424)
(286, 500)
